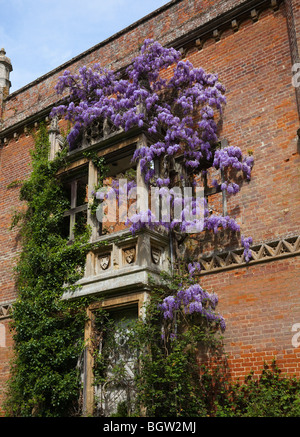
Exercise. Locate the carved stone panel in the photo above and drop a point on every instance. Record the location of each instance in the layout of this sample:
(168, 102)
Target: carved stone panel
(104, 261)
(5, 310)
(156, 254)
(129, 255)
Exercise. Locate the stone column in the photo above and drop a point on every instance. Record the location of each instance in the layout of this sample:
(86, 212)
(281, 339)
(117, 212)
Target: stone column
(92, 182)
(53, 133)
(142, 186)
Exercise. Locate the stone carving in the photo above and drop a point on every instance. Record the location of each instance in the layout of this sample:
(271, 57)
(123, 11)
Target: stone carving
(94, 130)
(155, 255)
(129, 255)
(104, 261)
(56, 140)
(115, 260)
(99, 129)
(54, 125)
(5, 310)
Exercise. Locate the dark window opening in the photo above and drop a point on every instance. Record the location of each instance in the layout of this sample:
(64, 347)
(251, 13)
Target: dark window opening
(76, 191)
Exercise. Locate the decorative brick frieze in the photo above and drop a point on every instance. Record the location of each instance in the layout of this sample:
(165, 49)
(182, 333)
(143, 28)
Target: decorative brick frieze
(263, 252)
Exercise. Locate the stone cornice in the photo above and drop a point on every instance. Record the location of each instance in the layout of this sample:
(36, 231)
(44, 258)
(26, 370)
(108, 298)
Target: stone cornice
(24, 126)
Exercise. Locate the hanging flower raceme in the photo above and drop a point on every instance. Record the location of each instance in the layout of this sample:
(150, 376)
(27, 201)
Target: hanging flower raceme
(246, 243)
(193, 299)
(232, 158)
(190, 300)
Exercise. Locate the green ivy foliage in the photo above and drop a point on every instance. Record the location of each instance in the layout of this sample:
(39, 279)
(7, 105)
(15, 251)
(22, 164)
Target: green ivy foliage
(48, 331)
(169, 381)
(269, 395)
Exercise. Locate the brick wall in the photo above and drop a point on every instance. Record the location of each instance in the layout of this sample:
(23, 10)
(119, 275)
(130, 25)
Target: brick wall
(14, 165)
(260, 302)
(260, 305)
(261, 115)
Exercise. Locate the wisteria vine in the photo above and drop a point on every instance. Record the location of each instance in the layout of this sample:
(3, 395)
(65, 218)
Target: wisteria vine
(170, 99)
(178, 105)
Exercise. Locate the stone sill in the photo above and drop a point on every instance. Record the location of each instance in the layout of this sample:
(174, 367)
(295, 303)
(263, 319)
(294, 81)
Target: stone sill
(127, 279)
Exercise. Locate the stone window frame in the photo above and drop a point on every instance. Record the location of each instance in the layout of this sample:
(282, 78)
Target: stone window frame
(85, 168)
(73, 179)
(111, 303)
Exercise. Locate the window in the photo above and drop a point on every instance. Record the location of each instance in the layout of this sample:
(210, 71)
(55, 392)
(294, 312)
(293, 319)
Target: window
(76, 192)
(110, 363)
(115, 362)
(119, 168)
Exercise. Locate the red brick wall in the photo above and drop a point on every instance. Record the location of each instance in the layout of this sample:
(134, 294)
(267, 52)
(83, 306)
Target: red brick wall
(14, 165)
(261, 115)
(261, 302)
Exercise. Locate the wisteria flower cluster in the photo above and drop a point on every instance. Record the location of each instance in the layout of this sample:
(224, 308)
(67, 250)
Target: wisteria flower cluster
(246, 243)
(174, 102)
(193, 300)
(231, 157)
(145, 98)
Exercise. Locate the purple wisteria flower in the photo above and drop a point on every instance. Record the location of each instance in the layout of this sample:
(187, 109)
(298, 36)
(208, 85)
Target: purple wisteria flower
(246, 243)
(192, 300)
(179, 113)
(144, 97)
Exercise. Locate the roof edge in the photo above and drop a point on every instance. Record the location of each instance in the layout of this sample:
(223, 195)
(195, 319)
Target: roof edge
(94, 48)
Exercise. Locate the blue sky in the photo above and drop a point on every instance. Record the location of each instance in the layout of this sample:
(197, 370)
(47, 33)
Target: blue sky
(39, 35)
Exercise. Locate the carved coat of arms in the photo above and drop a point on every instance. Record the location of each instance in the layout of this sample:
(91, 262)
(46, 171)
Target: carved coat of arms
(104, 261)
(155, 255)
(129, 255)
